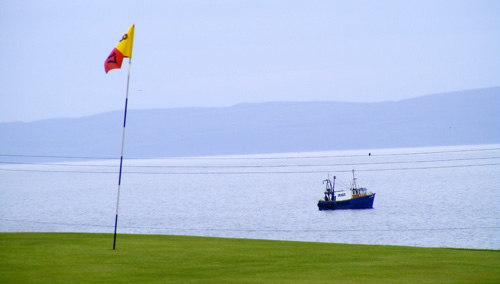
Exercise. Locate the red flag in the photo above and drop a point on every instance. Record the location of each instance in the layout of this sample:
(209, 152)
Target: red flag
(114, 60)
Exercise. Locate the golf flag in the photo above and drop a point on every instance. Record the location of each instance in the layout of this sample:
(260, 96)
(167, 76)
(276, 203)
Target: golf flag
(114, 61)
(121, 50)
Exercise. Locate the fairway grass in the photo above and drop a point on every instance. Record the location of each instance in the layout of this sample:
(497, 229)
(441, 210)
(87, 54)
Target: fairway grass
(89, 258)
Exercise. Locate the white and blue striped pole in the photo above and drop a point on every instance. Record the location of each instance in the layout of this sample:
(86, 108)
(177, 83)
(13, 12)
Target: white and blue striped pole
(121, 156)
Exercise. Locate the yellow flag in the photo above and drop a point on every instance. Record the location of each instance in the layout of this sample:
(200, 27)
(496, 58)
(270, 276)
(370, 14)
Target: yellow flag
(126, 43)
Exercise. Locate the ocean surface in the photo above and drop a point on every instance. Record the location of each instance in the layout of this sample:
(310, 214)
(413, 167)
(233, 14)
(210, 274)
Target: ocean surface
(426, 197)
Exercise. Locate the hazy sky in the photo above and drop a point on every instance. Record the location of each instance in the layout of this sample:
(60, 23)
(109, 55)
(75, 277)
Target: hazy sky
(220, 53)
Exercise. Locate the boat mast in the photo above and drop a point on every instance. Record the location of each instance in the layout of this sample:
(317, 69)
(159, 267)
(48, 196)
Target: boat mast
(353, 180)
(333, 186)
(330, 189)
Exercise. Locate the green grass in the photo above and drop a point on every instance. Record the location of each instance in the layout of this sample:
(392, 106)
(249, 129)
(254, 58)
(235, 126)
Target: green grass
(89, 258)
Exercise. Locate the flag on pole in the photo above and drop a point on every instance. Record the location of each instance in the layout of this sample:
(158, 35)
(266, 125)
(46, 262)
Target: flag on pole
(114, 61)
(121, 50)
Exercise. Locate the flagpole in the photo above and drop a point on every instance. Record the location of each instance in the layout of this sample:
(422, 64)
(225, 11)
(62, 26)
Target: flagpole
(121, 156)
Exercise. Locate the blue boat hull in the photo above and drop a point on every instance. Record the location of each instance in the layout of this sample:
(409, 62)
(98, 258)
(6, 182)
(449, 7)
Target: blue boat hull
(363, 202)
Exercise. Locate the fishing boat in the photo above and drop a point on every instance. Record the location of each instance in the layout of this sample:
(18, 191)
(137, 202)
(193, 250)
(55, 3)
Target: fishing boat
(354, 198)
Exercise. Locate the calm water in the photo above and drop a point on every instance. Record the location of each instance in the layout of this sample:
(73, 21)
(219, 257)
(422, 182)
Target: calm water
(432, 197)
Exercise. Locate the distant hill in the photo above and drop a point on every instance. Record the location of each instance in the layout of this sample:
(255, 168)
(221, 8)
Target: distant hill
(458, 118)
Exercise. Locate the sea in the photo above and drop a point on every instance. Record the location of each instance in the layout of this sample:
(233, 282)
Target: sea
(425, 197)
